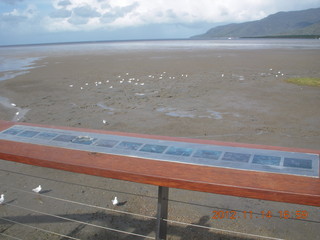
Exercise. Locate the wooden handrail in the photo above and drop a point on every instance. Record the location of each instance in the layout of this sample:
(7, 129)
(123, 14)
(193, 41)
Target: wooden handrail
(242, 183)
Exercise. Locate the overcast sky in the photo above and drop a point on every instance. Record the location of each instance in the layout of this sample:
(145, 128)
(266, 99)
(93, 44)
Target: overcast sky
(42, 21)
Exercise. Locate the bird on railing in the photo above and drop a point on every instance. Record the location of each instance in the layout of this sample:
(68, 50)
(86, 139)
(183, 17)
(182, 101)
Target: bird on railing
(37, 189)
(115, 201)
(2, 198)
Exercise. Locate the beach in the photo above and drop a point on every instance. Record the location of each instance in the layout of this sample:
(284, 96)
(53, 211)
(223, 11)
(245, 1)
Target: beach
(227, 95)
(233, 95)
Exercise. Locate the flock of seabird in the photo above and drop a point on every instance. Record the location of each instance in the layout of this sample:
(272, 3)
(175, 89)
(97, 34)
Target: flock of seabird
(38, 189)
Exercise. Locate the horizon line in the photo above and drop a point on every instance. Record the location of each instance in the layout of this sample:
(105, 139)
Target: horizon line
(94, 41)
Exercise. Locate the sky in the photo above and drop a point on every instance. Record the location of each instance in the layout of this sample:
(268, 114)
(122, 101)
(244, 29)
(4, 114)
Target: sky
(49, 21)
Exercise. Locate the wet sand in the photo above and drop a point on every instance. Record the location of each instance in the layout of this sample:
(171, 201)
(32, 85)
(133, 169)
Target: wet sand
(226, 95)
(221, 95)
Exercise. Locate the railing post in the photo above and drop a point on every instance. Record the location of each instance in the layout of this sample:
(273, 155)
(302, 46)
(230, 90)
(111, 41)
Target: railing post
(162, 213)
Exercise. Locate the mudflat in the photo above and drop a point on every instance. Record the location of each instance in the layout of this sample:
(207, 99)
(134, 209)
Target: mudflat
(228, 95)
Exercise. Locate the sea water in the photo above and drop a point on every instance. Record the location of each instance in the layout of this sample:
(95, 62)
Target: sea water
(10, 67)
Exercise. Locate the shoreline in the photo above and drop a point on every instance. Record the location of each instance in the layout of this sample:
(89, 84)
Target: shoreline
(20, 113)
(16, 66)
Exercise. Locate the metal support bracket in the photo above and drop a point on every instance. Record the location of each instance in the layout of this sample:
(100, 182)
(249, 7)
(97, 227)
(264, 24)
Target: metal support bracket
(162, 213)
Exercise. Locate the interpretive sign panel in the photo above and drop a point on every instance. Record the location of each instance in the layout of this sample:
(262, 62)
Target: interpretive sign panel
(252, 159)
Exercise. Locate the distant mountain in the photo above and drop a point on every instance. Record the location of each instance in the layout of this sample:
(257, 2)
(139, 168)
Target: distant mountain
(296, 23)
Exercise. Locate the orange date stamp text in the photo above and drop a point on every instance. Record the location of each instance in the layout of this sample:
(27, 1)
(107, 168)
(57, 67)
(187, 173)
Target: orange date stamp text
(268, 214)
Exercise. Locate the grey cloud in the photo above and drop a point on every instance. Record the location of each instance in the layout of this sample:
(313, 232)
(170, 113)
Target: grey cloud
(224, 11)
(81, 15)
(61, 13)
(159, 14)
(105, 6)
(76, 20)
(86, 12)
(125, 10)
(64, 3)
(170, 14)
(118, 12)
(31, 11)
(108, 18)
(17, 17)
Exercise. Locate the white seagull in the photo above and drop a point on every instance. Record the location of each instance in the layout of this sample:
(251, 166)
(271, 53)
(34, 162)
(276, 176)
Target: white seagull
(37, 189)
(2, 198)
(115, 201)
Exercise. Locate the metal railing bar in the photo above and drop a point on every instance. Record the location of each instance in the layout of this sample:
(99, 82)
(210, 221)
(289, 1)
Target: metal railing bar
(8, 236)
(82, 204)
(135, 214)
(221, 230)
(36, 228)
(77, 184)
(81, 222)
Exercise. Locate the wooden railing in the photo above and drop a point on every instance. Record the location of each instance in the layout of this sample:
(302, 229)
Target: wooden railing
(242, 183)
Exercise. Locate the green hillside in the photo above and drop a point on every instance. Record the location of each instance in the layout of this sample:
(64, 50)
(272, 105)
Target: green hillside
(302, 23)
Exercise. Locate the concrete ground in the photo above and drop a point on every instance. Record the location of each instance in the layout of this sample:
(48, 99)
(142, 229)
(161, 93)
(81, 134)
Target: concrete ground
(84, 198)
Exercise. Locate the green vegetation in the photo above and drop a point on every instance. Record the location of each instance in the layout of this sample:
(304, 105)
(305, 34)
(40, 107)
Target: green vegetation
(289, 36)
(294, 24)
(305, 81)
